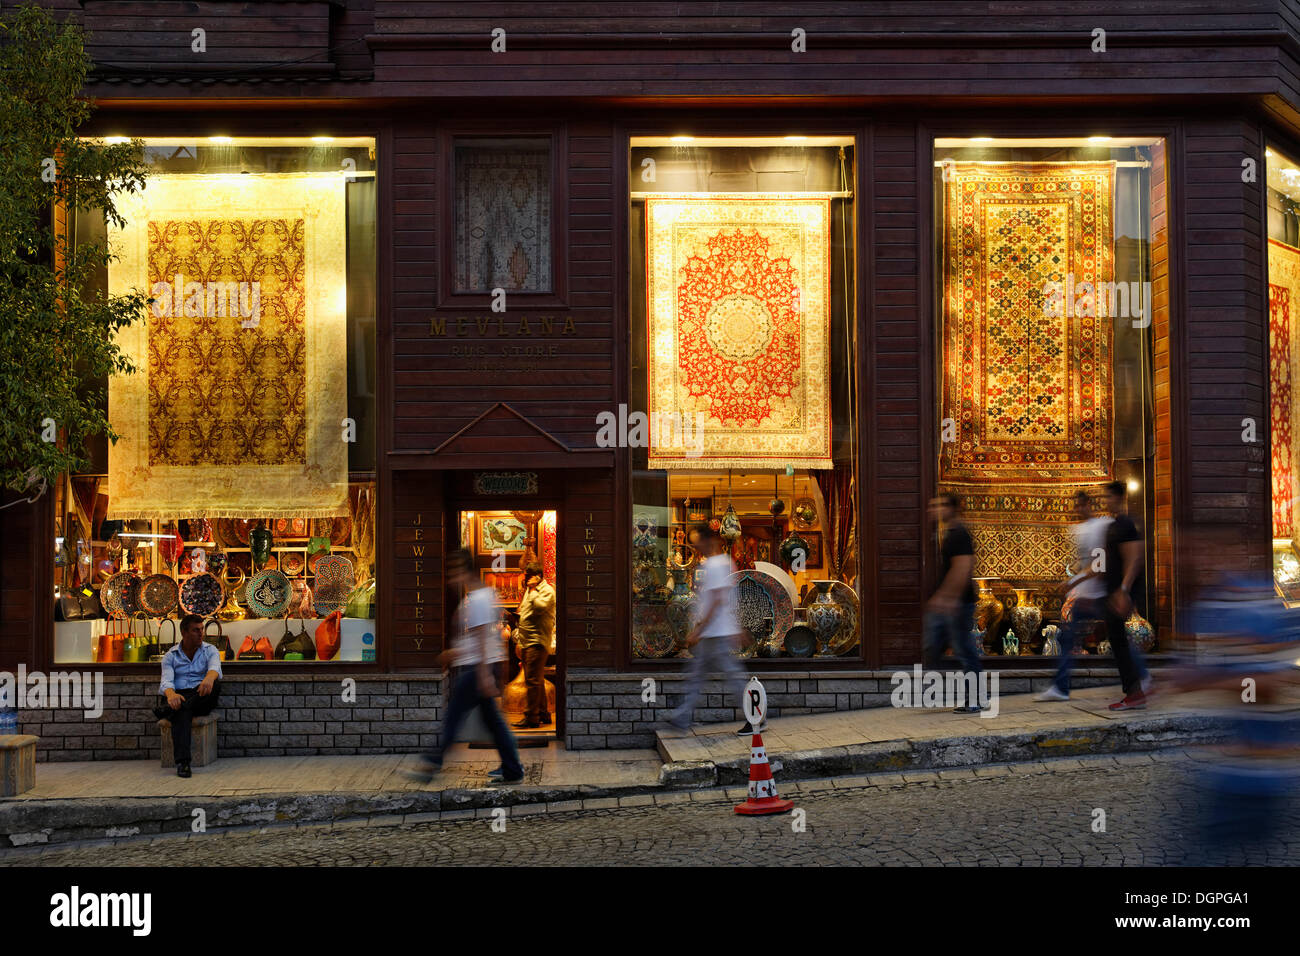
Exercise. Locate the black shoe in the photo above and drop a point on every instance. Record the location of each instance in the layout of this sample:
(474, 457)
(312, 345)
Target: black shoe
(161, 712)
(183, 770)
(525, 723)
(968, 709)
(505, 779)
(748, 730)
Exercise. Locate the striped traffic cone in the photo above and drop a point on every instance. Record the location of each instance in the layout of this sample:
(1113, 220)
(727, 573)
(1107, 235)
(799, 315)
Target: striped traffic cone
(762, 788)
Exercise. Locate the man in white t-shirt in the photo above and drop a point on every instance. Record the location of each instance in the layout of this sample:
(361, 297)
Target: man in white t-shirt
(476, 648)
(717, 631)
(1087, 587)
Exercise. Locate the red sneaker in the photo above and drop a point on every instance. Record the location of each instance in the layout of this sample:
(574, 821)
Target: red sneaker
(1134, 701)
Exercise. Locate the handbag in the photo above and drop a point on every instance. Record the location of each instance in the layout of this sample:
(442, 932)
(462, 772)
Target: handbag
(329, 636)
(300, 644)
(74, 604)
(361, 602)
(139, 648)
(255, 649)
(112, 644)
(222, 643)
(160, 650)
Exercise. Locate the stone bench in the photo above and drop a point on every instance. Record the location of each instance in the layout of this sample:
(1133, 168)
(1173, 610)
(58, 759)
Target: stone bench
(203, 741)
(17, 763)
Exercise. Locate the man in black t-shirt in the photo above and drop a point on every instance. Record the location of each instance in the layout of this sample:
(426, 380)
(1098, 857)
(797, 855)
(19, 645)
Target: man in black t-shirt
(950, 613)
(1123, 572)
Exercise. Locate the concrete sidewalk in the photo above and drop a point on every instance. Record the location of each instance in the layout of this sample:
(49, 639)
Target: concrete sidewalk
(109, 799)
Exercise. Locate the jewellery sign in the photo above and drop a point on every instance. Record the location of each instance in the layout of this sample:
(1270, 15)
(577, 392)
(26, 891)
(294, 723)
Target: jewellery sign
(505, 483)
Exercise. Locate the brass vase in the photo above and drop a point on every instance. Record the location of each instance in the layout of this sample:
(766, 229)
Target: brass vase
(988, 612)
(1025, 618)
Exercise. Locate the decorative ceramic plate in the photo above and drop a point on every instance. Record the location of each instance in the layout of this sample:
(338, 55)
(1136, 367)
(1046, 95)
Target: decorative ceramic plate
(159, 595)
(652, 635)
(341, 532)
(272, 563)
(781, 575)
(240, 528)
(268, 593)
(202, 594)
(334, 573)
(759, 597)
(801, 641)
(804, 513)
(290, 527)
(292, 563)
(119, 594)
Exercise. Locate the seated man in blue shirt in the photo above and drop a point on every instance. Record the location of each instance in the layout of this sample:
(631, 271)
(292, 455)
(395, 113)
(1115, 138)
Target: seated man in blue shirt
(191, 683)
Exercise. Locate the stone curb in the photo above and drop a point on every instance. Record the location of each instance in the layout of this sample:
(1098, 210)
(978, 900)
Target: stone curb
(32, 823)
(1154, 733)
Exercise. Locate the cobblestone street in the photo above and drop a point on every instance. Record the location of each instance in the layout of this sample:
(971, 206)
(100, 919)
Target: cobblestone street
(1026, 814)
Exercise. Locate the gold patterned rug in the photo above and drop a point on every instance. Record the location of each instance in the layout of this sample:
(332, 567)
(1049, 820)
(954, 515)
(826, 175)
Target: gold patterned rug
(237, 406)
(738, 291)
(1026, 392)
(1283, 316)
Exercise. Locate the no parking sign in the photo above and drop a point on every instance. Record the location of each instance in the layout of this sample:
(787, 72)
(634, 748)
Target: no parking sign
(755, 702)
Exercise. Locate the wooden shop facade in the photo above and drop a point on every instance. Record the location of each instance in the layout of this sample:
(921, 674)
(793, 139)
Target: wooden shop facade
(556, 282)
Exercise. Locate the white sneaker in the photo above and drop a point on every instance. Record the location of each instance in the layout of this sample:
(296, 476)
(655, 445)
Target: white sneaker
(1051, 694)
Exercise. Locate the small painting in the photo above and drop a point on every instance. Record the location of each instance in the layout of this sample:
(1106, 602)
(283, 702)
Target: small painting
(502, 532)
(814, 539)
(509, 585)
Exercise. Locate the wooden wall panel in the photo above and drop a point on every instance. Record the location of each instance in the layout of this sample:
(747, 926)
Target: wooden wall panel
(438, 390)
(415, 618)
(594, 570)
(236, 33)
(1224, 347)
(20, 590)
(895, 380)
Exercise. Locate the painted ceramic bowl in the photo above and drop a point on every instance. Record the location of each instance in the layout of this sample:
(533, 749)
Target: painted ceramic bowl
(119, 595)
(292, 563)
(801, 641)
(202, 594)
(268, 593)
(158, 595)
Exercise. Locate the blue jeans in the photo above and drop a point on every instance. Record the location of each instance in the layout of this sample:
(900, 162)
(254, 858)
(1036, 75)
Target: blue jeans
(710, 655)
(464, 697)
(1084, 613)
(941, 631)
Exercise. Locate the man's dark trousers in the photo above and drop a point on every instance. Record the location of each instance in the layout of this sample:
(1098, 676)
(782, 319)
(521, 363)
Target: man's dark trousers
(536, 710)
(194, 706)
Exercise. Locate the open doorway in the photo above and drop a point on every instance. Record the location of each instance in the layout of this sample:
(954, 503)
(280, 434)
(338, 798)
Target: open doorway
(515, 553)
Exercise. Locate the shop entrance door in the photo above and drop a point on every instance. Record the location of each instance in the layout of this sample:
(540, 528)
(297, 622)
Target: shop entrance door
(507, 545)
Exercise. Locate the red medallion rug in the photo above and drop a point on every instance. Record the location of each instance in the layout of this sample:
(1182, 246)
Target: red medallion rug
(1026, 395)
(738, 331)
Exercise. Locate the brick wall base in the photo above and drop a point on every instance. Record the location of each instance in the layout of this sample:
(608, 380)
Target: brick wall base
(260, 716)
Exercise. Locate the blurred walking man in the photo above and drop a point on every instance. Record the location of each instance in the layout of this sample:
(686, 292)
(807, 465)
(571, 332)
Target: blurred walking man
(475, 653)
(1124, 562)
(1087, 588)
(717, 631)
(950, 613)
